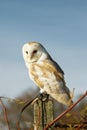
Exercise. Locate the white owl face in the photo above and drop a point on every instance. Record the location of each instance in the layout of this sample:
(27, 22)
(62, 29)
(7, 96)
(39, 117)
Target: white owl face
(33, 52)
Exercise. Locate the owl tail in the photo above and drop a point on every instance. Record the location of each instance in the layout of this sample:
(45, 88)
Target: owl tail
(70, 102)
(72, 93)
(71, 97)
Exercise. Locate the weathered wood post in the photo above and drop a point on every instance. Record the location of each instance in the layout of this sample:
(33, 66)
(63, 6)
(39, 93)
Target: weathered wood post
(43, 113)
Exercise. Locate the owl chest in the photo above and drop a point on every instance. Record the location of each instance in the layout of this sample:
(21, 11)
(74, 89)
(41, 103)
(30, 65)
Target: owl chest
(42, 74)
(46, 79)
(38, 71)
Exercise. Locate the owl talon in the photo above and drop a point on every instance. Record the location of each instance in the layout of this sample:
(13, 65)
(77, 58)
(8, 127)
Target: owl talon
(43, 96)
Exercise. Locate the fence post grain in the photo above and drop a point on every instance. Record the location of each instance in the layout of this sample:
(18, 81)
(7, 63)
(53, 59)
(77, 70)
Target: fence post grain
(43, 113)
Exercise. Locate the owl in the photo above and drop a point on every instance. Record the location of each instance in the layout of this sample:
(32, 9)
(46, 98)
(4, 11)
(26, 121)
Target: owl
(46, 73)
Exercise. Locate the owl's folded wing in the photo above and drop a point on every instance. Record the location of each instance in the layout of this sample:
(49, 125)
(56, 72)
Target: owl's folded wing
(52, 66)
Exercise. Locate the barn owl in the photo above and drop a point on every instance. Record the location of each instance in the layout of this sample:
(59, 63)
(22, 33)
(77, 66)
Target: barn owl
(46, 73)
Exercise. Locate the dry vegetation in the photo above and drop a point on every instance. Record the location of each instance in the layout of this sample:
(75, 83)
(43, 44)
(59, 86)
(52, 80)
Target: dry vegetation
(76, 119)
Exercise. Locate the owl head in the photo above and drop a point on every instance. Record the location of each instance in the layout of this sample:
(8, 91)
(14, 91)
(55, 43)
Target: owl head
(34, 52)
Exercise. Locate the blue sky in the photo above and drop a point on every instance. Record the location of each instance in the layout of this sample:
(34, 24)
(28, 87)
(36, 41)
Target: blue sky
(60, 25)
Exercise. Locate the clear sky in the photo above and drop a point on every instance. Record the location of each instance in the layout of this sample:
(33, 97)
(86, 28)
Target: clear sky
(60, 25)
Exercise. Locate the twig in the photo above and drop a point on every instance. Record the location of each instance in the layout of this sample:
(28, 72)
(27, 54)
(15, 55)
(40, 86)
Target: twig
(5, 114)
(23, 108)
(80, 126)
(18, 126)
(28, 103)
(66, 111)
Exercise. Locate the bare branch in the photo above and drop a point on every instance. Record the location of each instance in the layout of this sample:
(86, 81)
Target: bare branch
(18, 127)
(5, 113)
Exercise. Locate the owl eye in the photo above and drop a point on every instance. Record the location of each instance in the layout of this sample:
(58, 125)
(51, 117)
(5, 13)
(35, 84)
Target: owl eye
(26, 52)
(35, 51)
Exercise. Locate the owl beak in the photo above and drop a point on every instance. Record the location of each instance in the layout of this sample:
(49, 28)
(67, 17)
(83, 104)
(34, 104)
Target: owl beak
(31, 56)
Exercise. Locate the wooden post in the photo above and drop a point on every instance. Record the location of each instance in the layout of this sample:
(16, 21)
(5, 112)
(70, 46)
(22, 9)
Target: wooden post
(43, 113)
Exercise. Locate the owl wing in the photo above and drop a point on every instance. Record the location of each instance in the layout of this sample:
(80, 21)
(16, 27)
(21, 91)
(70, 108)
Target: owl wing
(52, 66)
(57, 86)
(44, 69)
(57, 67)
